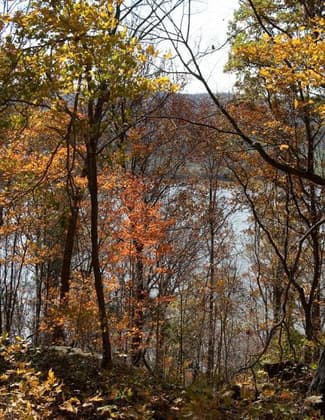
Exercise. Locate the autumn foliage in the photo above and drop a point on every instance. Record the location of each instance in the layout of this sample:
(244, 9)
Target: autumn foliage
(174, 234)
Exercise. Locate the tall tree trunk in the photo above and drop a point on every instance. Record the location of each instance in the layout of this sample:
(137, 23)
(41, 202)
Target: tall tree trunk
(99, 287)
(317, 323)
(140, 294)
(309, 331)
(1, 321)
(1, 285)
(278, 293)
(58, 334)
(181, 342)
(211, 319)
(315, 294)
(39, 269)
(159, 340)
(312, 308)
(317, 385)
(68, 247)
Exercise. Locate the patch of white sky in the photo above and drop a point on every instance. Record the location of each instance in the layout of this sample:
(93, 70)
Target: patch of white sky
(209, 27)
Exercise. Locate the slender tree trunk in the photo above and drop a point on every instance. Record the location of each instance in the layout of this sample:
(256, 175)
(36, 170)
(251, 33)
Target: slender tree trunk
(318, 383)
(317, 323)
(58, 334)
(1, 328)
(1, 286)
(181, 341)
(38, 306)
(159, 340)
(315, 295)
(140, 294)
(211, 320)
(68, 248)
(309, 331)
(99, 287)
(277, 293)
(10, 295)
(312, 306)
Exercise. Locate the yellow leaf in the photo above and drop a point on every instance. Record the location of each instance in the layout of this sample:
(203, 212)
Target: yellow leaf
(67, 406)
(105, 409)
(168, 55)
(150, 50)
(95, 398)
(284, 147)
(51, 376)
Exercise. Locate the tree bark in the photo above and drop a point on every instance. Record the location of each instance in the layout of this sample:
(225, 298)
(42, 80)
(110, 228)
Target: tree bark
(58, 334)
(317, 385)
(99, 287)
(68, 248)
(140, 295)
(39, 268)
(211, 322)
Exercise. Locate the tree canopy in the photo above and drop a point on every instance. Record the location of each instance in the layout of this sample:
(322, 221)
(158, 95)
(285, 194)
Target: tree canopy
(161, 253)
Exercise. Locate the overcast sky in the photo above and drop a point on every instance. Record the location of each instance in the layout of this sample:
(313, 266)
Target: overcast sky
(210, 23)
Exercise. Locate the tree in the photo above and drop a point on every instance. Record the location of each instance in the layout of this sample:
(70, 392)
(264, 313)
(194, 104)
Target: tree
(78, 60)
(33, 205)
(275, 44)
(281, 212)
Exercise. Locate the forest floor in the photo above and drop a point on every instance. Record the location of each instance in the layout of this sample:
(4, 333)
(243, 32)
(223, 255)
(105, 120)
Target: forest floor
(131, 393)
